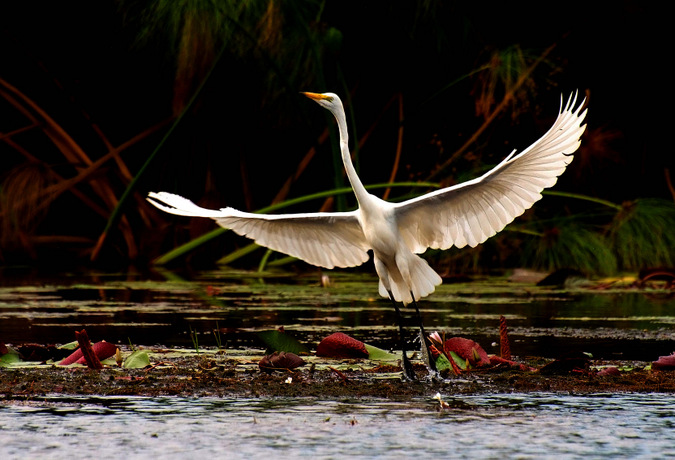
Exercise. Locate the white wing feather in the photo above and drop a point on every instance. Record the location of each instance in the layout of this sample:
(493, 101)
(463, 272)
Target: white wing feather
(324, 239)
(471, 212)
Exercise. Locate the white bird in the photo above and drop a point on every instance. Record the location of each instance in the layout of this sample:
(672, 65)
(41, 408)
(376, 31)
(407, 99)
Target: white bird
(464, 214)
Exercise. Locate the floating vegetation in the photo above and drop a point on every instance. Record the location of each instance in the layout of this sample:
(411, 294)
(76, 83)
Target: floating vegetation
(138, 359)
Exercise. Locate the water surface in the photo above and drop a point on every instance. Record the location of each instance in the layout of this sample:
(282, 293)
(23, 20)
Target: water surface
(164, 307)
(480, 426)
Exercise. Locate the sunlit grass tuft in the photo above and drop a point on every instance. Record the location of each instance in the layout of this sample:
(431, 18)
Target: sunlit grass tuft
(571, 245)
(642, 234)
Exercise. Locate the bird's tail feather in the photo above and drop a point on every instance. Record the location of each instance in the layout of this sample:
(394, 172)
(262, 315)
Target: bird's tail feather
(423, 282)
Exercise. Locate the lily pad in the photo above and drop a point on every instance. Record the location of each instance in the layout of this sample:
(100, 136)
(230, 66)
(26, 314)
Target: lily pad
(378, 354)
(69, 346)
(462, 363)
(341, 346)
(9, 358)
(467, 350)
(281, 360)
(137, 360)
(442, 362)
(664, 362)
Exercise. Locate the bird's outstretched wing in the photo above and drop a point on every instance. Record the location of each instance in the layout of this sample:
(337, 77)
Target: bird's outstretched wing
(323, 239)
(471, 212)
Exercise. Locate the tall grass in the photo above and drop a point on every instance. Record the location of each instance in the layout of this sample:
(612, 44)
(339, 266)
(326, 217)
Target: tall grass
(571, 245)
(642, 234)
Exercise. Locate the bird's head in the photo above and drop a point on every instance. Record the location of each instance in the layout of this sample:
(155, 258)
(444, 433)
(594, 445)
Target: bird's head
(328, 101)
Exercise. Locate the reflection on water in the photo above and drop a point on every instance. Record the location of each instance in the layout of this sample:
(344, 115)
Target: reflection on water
(162, 308)
(479, 426)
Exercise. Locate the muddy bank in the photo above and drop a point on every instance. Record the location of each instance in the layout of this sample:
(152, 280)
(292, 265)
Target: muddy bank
(236, 374)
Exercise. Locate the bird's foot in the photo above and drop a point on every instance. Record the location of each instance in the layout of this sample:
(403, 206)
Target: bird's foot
(408, 372)
(427, 356)
(434, 376)
(432, 372)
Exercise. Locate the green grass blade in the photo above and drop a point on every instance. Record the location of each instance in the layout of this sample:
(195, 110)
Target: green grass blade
(579, 196)
(241, 252)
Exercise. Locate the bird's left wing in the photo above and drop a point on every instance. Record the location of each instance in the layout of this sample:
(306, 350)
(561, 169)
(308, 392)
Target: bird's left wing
(325, 239)
(471, 212)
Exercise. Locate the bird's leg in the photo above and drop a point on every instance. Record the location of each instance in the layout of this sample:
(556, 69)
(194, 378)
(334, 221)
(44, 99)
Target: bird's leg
(423, 336)
(407, 365)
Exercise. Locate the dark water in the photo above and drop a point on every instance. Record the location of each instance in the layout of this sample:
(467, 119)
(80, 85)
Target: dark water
(163, 307)
(495, 426)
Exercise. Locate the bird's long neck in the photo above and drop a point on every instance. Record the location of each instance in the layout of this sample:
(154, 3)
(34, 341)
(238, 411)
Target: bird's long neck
(359, 190)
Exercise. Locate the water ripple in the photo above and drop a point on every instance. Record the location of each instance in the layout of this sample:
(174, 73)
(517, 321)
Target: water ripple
(539, 425)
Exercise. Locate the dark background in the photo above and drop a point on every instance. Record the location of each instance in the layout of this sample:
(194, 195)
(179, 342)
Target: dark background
(114, 65)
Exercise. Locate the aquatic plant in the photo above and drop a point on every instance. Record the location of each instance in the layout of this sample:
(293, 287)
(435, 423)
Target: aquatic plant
(194, 338)
(217, 337)
(281, 360)
(138, 359)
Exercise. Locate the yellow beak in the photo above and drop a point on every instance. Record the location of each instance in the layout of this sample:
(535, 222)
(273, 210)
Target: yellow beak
(317, 96)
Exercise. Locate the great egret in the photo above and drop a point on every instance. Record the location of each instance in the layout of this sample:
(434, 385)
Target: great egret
(464, 214)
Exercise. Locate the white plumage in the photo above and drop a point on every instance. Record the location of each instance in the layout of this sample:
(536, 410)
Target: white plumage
(464, 214)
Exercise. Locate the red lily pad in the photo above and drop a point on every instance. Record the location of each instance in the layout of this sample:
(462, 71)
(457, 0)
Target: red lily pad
(341, 346)
(281, 360)
(468, 350)
(497, 361)
(665, 363)
(102, 349)
(609, 371)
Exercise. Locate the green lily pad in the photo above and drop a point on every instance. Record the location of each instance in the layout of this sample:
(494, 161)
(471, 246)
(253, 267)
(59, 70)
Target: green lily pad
(462, 363)
(69, 346)
(442, 362)
(137, 360)
(10, 358)
(378, 354)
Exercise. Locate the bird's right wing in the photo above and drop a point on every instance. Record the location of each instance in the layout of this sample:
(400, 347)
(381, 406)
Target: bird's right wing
(324, 239)
(471, 212)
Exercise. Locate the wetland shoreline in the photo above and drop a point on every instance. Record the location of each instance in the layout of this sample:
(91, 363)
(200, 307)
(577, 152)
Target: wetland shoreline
(225, 374)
